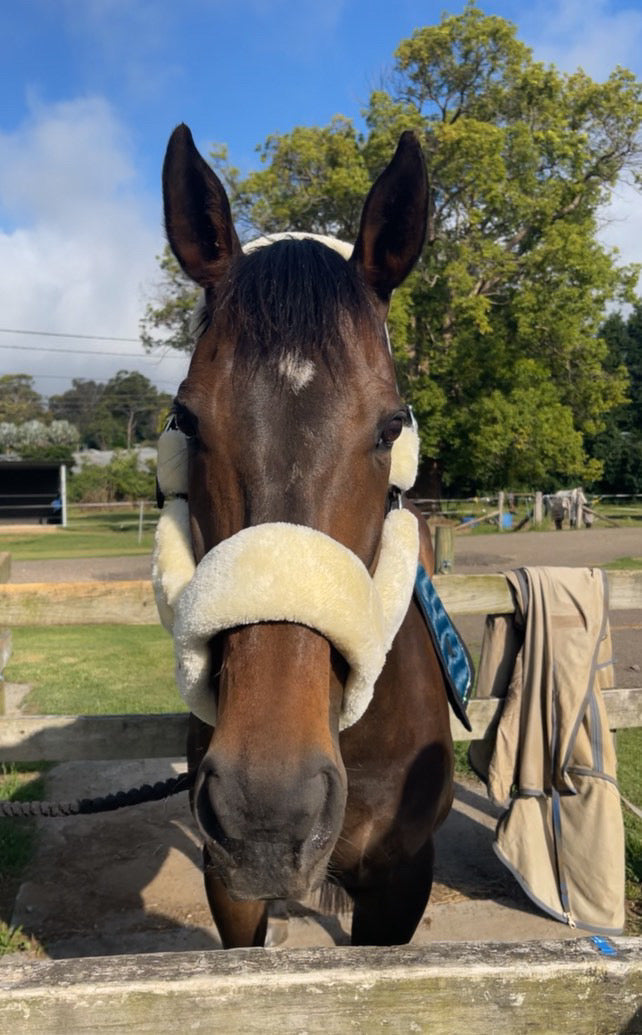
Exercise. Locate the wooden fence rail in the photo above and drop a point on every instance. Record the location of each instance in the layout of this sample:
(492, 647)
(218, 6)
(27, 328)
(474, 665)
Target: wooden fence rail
(562, 987)
(132, 603)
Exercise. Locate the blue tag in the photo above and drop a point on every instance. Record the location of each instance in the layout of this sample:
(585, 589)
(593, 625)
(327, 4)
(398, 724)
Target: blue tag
(456, 663)
(604, 945)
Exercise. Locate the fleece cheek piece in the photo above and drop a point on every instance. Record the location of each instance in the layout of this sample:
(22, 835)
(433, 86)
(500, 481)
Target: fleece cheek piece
(282, 572)
(404, 458)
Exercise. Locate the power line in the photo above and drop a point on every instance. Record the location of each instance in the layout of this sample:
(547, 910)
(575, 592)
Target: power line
(57, 334)
(84, 352)
(69, 377)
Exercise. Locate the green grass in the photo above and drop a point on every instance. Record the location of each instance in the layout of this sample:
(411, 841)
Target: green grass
(17, 783)
(629, 752)
(97, 535)
(17, 840)
(95, 670)
(624, 564)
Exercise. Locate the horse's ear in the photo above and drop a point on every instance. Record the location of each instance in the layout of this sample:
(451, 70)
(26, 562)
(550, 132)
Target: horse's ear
(198, 219)
(393, 221)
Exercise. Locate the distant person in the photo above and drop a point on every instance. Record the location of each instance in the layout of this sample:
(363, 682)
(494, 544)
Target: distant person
(56, 512)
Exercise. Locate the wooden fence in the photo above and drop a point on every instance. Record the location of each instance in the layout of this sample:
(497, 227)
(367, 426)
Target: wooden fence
(30, 738)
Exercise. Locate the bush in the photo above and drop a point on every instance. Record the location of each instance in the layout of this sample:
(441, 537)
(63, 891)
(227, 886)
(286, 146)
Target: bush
(35, 440)
(121, 479)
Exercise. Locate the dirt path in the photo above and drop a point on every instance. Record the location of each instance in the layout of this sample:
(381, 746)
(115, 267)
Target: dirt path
(130, 881)
(472, 554)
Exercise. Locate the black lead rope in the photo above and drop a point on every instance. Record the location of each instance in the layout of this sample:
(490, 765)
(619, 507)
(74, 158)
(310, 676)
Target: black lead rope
(110, 803)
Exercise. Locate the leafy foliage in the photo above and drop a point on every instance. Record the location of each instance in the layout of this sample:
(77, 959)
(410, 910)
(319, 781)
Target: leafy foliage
(619, 445)
(126, 410)
(121, 479)
(35, 440)
(166, 324)
(19, 401)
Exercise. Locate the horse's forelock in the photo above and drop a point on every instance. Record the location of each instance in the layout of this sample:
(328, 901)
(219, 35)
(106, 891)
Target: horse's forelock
(291, 298)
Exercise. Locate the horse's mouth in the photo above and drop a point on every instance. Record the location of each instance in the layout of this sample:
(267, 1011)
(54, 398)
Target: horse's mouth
(251, 870)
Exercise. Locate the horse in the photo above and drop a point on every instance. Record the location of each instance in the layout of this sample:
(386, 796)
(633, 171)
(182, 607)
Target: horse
(319, 737)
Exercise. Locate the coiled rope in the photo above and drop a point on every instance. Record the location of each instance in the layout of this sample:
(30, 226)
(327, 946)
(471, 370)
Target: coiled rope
(110, 803)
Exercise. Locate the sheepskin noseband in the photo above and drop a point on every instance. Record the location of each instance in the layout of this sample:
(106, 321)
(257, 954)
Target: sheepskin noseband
(277, 572)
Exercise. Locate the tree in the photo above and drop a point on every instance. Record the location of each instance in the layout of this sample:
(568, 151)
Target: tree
(520, 158)
(167, 322)
(513, 279)
(619, 446)
(132, 408)
(80, 404)
(35, 440)
(126, 410)
(19, 401)
(314, 180)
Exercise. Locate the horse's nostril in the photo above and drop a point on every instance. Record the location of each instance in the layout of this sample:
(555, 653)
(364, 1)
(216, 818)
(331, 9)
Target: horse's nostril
(205, 805)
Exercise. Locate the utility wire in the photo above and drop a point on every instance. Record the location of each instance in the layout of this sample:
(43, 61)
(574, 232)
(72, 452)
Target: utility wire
(85, 352)
(57, 334)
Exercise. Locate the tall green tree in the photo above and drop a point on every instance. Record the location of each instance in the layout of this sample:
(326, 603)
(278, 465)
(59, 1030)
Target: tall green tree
(80, 404)
(134, 406)
(619, 446)
(520, 160)
(497, 332)
(19, 401)
(122, 412)
(166, 321)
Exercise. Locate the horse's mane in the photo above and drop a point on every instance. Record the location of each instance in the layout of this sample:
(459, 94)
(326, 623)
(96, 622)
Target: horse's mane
(294, 297)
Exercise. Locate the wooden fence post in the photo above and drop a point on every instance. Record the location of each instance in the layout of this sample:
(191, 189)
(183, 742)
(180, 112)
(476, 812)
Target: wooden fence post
(538, 508)
(5, 634)
(500, 507)
(444, 550)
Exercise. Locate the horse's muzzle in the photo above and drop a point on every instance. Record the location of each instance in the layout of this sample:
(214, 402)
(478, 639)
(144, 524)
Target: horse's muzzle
(269, 838)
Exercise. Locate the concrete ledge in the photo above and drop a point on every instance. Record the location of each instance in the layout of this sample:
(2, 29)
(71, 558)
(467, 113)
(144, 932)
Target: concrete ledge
(564, 987)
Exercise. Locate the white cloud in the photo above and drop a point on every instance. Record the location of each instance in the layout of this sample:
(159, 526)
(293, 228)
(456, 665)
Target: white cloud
(597, 36)
(588, 34)
(78, 241)
(621, 224)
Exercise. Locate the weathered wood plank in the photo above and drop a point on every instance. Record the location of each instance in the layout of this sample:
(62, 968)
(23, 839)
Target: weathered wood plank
(65, 738)
(564, 987)
(132, 603)
(78, 603)
(489, 594)
(5, 566)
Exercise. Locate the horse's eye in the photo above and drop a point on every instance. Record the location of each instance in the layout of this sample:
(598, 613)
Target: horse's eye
(185, 420)
(391, 432)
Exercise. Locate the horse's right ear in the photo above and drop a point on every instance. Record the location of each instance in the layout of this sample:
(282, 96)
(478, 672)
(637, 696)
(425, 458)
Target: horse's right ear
(198, 219)
(393, 221)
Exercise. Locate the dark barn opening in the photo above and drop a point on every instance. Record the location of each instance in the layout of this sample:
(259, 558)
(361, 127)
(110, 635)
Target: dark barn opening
(32, 492)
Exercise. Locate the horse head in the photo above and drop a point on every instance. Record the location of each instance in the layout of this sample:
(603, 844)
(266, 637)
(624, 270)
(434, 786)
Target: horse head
(288, 422)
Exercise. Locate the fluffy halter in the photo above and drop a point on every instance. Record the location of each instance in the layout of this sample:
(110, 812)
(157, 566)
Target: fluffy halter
(282, 572)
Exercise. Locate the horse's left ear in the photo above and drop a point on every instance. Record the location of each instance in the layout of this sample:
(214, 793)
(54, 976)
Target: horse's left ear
(393, 221)
(198, 219)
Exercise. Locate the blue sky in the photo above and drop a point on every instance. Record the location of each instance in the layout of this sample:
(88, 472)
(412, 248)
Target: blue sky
(91, 90)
